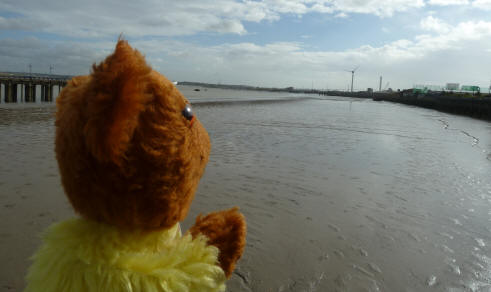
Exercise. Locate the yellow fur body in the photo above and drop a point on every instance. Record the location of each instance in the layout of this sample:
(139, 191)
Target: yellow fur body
(81, 255)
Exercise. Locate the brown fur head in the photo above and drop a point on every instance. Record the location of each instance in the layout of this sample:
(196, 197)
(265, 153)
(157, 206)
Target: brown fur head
(127, 154)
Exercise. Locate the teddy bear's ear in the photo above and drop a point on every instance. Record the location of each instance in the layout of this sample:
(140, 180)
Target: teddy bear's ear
(115, 98)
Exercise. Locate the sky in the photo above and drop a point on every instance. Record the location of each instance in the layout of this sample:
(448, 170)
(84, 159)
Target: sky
(270, 43)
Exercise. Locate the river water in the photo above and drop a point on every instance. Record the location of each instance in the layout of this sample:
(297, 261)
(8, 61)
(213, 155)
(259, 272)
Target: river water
(340, 194)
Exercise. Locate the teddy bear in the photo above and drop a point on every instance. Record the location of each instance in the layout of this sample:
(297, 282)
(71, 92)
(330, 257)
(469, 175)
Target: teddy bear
(131, 152)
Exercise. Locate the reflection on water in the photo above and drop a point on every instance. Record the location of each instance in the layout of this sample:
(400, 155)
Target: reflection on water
(339, 194)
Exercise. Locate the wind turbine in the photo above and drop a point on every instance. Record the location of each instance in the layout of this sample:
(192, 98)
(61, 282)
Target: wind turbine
(352, 76)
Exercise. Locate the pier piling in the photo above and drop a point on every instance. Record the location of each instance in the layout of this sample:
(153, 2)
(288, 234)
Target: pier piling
(28, 84)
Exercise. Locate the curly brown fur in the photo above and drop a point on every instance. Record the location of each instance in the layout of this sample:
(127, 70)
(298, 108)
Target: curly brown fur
(127, 155)
(227, 231)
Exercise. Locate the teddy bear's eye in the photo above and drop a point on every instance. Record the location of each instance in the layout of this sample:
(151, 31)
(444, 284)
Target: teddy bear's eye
(187, 112)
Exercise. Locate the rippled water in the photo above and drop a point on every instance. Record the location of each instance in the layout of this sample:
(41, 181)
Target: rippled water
(340, 194)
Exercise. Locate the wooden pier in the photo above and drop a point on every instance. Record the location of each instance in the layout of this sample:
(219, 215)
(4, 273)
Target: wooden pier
(15, 86)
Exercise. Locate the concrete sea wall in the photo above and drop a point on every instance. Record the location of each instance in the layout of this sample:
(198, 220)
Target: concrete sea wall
(477, 106)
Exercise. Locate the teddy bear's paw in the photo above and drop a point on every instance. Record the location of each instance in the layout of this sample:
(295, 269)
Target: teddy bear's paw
(227, 231)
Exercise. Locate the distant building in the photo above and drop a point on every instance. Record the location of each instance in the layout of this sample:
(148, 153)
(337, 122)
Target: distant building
(427, 87)
(471, 88)
(452, 86)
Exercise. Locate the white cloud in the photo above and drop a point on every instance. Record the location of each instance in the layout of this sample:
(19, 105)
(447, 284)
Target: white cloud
(151, 17)
(448, 38)
(453, 53)
(343, 7)
(341, 15)
(288, 6)
(382, 8)
(448, 2)
(459, 52)
(95, 19)
(67, 57)
(377, 7)
(434, 24)
(228, 26)
(19, 24)
(482, 4)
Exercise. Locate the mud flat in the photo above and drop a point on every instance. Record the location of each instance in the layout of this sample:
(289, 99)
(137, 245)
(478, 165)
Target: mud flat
(340, 194)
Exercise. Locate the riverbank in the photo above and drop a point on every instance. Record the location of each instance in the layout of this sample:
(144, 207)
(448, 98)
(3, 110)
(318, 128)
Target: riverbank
(476, 106)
